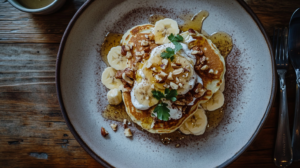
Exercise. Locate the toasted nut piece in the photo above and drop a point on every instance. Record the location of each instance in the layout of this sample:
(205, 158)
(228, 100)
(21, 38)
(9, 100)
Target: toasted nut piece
(125, 123)
(114, 127)
(130, 45)
(165, 63)
(216, 72)
(158, 78)
(144, 43)
(186, 68)
(104, 133)
(151, 36)
(138, 53)
(194, 52)
(127, 48)
(170, 76)
(138, 59)
(197, 88)
(180, 84)
(163, 74)
(154, 69)
(176, 80)
(211, 71)
(198, 67)
(205, 67)
(127, 79)
(175, 65)
(178, 71)
(173, 85)
(128, 55)
(146, 36)
(123, 51)
(127, 132)
(200, 53)
(146, 56)
(166, 85)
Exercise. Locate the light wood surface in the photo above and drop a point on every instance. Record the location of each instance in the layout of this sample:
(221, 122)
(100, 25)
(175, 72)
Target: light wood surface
(33, 132)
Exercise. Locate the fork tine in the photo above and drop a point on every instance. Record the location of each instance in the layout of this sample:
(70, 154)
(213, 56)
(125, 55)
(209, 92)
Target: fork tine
(285, 46)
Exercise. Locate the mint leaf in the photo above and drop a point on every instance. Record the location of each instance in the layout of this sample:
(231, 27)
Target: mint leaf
(171, 94)
(178, 46)
(157, 94)
(169, 53)
(163, 113)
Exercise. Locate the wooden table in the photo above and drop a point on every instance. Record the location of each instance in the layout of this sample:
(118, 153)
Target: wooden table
(33, 132)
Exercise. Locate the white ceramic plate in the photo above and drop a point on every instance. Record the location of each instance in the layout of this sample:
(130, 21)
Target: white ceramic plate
(250, 84)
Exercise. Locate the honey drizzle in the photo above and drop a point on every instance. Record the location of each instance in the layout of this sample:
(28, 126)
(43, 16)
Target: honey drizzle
(193, 21)
(223, 42)
(111, 40)
(116, 113)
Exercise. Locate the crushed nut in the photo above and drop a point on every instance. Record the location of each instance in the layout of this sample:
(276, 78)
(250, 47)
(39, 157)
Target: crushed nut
(205, 67)
(146, 36)
(114, 127)
(154, 69)
(178, 71)
(211, 71)
(173, 85)
(170, 76)
(128, 55)
(216, 72)
(149, 64)
(130, 45)
(166, 85)
(175, 65)
(138, 53)
(163, 74)
(125, 123)
(144, 43)
(158, 78)
(138, 59)
(165, 63)
(127, 132)
(176, 80)
(104, 133)
(180, 85)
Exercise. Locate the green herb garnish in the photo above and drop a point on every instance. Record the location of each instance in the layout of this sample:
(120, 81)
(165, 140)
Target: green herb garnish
(163, 113)
(169, 53)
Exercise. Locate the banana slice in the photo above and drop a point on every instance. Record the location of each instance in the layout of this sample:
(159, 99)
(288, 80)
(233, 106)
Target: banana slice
(163, 29)
(196, 124)
(114, 96)
(215, 102)
(222, 87)
(109, 80)
(115, 58)
(141, 96)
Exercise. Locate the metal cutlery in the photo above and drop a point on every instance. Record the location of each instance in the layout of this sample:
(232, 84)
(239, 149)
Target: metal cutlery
(294, 54)
(283, 155)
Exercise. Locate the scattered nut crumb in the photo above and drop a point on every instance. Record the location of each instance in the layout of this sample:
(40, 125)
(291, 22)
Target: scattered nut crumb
(127, 132)
(114, 127)
(205, 67)
(104, 133)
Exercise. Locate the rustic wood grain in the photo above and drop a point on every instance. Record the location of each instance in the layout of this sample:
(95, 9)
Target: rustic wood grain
(33, 132)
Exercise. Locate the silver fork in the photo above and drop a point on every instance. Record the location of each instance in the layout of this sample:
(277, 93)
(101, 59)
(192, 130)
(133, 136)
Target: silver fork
(283, 150)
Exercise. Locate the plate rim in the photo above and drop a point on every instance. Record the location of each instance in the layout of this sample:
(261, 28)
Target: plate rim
(105, 163)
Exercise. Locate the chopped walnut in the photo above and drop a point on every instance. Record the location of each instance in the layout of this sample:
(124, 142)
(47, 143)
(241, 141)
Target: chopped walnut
(127, 132)
(144, 43)
(175, 65)
(164, 63)
(158, 79)
(173, 85)
(163, 74)
(216, 72)
(151, 36)
(180, 85)
(170, 76)
(211, 71)
(178, 71)
(198, 90)
(128, 55)
(104, 133)
(125, 123)
(205, 67)
(197, 51)
(138, 59)
(114, 127)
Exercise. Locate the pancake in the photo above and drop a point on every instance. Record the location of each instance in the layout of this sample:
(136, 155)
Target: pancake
(211, 82)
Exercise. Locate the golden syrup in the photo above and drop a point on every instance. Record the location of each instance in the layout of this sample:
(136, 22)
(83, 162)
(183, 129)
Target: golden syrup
(116, 112)
(223, 42)
(174, 136)
(192, 21)
(111, 40)
(214, 118)
(154, 18)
